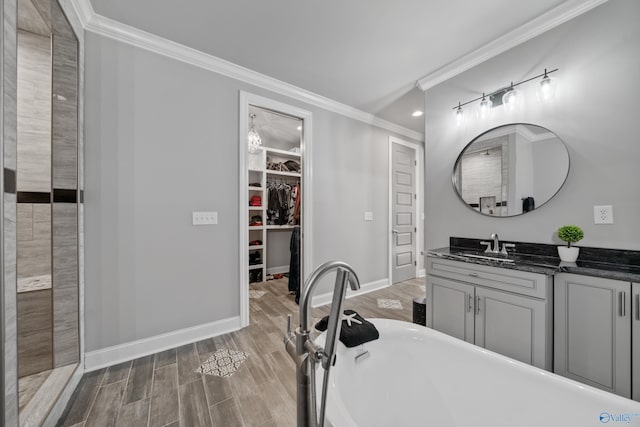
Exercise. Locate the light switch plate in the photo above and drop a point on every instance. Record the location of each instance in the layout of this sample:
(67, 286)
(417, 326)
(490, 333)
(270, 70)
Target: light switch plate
(603, 214)
(204, 218)
(368, 216)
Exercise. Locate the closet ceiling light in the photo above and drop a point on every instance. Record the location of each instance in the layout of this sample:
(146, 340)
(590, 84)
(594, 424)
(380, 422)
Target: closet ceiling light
(253, 138)
(417, 113)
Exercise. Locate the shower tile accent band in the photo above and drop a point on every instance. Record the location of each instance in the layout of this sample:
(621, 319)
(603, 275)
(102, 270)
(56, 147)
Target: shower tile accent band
(9, 181)
(61, 195)
(34, 197)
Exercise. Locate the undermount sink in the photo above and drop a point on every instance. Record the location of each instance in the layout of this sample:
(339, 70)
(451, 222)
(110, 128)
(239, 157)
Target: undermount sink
(487, 257)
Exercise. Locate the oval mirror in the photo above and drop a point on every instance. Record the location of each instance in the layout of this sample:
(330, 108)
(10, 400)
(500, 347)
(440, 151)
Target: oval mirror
(511, 169)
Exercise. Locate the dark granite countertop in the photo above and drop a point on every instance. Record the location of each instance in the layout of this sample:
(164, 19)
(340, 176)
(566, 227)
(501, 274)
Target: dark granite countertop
(597, 262)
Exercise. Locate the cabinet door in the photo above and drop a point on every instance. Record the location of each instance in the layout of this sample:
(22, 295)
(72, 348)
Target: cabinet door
(512, 325)
(635, 351)
(450, 307)
(592, 331)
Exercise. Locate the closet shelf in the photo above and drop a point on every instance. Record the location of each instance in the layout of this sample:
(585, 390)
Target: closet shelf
(283, 153)
(256, 247)
(280, 227)
(255, 170)
(255, 188)
(256, 227)
(256, 266)
(256, 208)
(279, 173)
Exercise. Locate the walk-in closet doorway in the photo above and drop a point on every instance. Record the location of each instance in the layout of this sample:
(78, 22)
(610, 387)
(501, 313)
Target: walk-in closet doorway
(275, 194)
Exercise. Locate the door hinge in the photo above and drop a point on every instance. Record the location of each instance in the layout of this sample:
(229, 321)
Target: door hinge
(415, 163)
(415, 263)
(415, 196)
(415, 229)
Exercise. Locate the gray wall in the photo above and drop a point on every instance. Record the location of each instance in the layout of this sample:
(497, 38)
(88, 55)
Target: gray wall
(162, 141)
(595, 113)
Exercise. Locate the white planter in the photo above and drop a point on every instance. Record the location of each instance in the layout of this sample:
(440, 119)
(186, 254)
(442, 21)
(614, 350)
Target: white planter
(568, 254)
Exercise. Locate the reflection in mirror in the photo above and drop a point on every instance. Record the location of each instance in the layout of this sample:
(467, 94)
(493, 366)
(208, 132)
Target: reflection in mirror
(511, 169)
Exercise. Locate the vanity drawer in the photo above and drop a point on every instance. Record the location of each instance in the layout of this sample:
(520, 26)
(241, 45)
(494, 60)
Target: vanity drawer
(520, 282)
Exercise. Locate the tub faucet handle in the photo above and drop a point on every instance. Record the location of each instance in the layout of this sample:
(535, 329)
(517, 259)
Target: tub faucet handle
(488, 245)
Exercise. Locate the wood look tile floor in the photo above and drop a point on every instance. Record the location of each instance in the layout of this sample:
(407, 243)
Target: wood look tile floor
(164, 389)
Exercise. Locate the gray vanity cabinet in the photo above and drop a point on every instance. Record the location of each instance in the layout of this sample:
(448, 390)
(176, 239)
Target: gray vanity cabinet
(635, 341)
(502, 310)
(452, 308)
(512, 325)
(592, 331)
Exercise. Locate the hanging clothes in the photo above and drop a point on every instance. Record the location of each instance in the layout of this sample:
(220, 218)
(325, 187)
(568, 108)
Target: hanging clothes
(280, 203)
(294, 247)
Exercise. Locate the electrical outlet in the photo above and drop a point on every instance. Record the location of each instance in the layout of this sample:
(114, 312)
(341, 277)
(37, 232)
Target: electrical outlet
(204, 218)
(368, 216)
(603, 214)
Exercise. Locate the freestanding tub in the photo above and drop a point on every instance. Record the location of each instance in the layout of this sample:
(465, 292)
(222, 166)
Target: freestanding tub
(415, 376)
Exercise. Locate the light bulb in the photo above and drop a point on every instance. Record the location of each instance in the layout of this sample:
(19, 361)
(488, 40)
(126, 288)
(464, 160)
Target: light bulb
(459, 115)
(484, 110)
(511, 99)
(547, 89)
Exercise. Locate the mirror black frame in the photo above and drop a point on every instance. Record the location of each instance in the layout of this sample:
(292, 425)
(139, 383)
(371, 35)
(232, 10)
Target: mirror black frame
(454, 175)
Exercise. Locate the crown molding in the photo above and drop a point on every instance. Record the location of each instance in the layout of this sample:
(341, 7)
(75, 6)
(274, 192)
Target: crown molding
(110, 28)
(545, 22)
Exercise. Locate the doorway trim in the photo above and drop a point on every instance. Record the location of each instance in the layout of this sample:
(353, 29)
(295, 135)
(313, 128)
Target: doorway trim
(247, 99)
(418, 181)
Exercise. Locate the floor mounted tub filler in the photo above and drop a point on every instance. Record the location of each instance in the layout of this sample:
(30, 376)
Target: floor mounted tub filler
(415, 376)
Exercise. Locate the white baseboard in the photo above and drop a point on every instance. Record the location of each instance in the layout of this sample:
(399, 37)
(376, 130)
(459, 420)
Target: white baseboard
(422, 272)
(109, 356)
(323, 299)
(278, 270)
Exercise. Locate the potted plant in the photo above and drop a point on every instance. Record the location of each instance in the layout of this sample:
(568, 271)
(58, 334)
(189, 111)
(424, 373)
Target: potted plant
(569, 234)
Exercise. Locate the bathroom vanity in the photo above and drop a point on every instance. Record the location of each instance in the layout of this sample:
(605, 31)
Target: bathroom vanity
(579, 320)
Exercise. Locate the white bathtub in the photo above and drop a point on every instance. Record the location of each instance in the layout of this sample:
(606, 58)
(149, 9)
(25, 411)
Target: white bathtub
(415, 376)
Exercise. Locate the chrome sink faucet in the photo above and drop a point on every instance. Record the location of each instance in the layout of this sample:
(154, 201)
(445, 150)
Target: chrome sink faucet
(492, 249)
(305, 353)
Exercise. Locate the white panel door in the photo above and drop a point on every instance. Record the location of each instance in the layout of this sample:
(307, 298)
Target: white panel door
(403, 213)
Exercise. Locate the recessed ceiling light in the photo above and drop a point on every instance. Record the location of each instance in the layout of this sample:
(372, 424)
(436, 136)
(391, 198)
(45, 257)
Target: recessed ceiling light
(417, 113)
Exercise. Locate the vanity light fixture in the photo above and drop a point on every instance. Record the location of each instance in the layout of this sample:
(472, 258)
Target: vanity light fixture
(459, 114)
(253, 137)
(485, 107)
(547, 89)
(417, 113)
(509, 96)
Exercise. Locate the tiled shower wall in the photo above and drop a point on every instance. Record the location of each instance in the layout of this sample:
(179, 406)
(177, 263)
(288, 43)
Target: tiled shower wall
(34, 156)
(64, 107)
